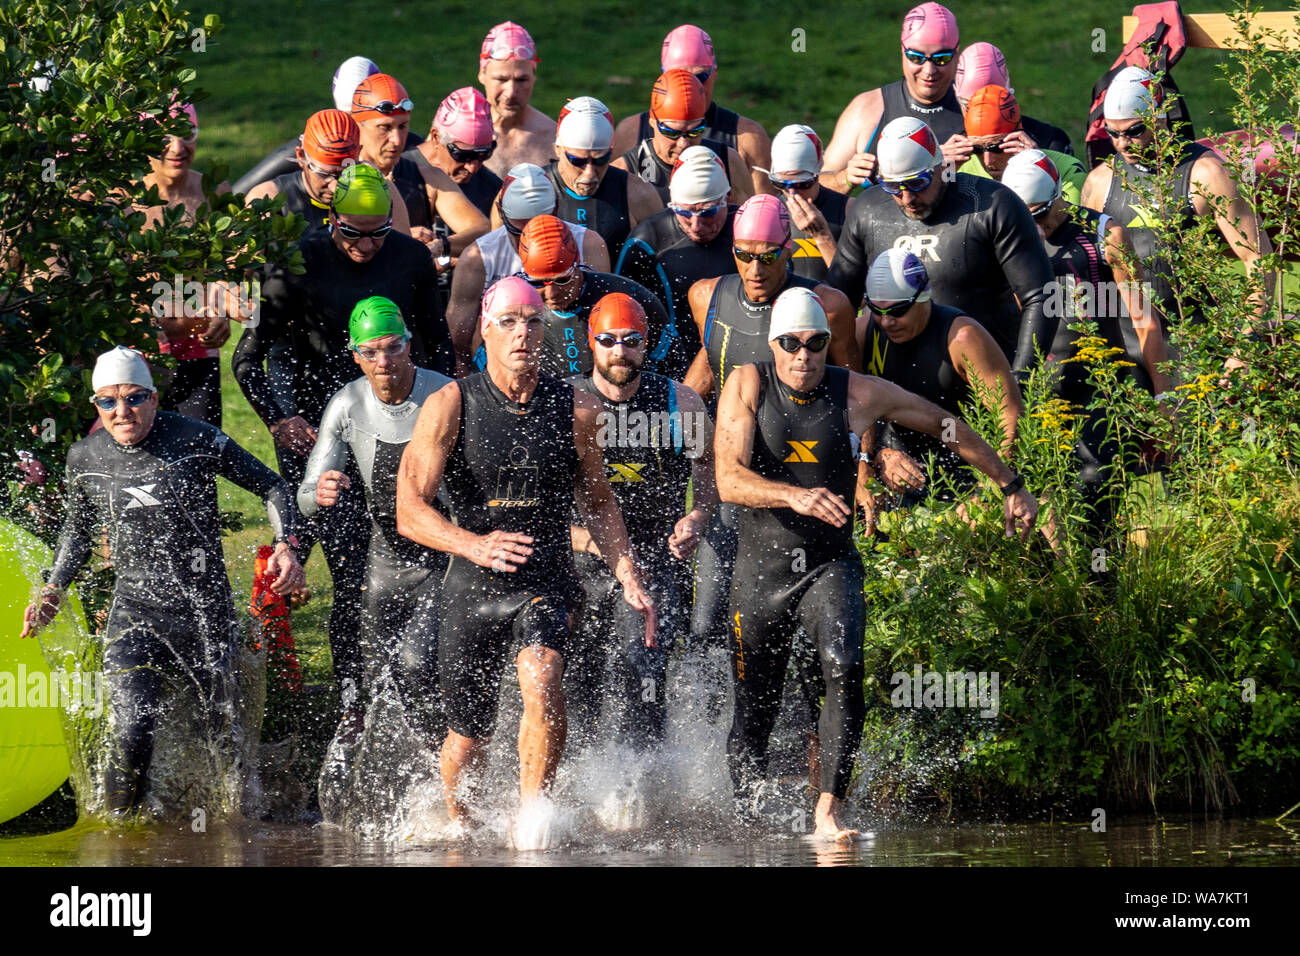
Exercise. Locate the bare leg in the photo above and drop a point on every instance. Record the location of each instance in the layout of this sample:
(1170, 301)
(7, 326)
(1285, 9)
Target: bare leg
(827, 816)
(814, 761)
(542, 728)
(460, 755)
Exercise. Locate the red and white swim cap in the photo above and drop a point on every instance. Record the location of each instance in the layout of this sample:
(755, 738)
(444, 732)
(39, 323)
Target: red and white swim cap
(1032, 176)
(907, 148)
(1131, 95)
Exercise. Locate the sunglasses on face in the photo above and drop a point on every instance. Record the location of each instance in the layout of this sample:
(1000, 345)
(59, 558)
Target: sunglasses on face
(897, 309)
(942, 58)
(461, 155)
(695, 132)
(391, 351)
(799, 184)
(581, 162)
(815, 344)
(708, 212)
(764, 258)
(1041, 210)
(134, 400)
(388, 107)
(994, 148)
(607, 341)
(1133, 132)
(560, 280)
(508, 323)
(916, 184)
(348, 232)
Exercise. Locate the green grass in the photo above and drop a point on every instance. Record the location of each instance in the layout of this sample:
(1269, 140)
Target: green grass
(272, 65)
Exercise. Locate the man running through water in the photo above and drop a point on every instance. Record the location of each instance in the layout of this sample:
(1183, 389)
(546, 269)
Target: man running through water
(689, 48)
(512, 450)
(981, 65)
(461, 141)
(689, 241)
(996, 132)
(372, 419)
(929, 55)
(976, 239)
(656, 437)
(677, 109)
(148, 479)
(527, 193)
(816, 214)
(784, 455)
(588, 192)
(507, 69)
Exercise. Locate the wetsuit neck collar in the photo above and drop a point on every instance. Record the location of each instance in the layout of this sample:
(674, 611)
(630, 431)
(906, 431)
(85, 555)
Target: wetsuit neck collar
(798, 395)
(519, 408)
(634, 385)
(750, 304)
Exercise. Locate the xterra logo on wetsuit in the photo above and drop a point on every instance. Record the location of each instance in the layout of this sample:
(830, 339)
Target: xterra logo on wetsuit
(141, 497)
(801, 451)
(629, 472)
(517, 482)
(923, 247)
(806, 249)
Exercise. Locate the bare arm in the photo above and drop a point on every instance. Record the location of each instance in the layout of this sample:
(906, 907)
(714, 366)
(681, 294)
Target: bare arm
(697, 426)
(464, 305)
(699, 377)
(1214, 191)
(401, 218)
(642, 201)
(742, 181)
(461, 216)
(1119, 255)
(755, 148)
(853, 131)
(977, 358)
(844, 332)
(595, 252)
(1095, 187)
(625, 133)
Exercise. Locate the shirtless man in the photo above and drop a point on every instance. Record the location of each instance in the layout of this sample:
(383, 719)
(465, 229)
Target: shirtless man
(507, 68)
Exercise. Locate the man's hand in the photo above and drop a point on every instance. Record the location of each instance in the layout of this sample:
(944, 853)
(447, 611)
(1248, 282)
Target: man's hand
(957, 150)
(635, 594)
(216, 333)
(899, 471)
(40, 612)
(686, 536)
(501, 550)
(284, 565)
(870, 510)
(294, 434)
(805, 216)
(820, 503)
(1017, 141)
(1020, 513)
(861, 167)
(329, 486)
(423, 233)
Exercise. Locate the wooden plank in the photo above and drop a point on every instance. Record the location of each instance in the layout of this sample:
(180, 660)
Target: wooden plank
(1216, 31)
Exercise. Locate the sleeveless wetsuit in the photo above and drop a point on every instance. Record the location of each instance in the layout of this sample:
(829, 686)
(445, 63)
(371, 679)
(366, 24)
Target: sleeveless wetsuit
(645, 443)
(513, 468)
(807, 258)
(662, 257)
(794, 571)
(172, 616)
(642, 160)
(410, 186)
(980, 247)
(944, 117)
(605, 210)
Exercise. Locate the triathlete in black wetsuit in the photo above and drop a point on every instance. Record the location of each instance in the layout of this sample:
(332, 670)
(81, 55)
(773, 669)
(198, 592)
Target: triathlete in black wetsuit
(549, 256)
(816, 214)
(978, 243)
(311, 311)
(511, 449)
(148, 479)
(656, 436)
(784, 454)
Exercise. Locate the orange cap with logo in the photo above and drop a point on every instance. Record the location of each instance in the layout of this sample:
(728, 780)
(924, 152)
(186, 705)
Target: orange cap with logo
(547, 248)
(380, 95)
(992, 111)
(331, 138)
(678, 95)
(617, 310)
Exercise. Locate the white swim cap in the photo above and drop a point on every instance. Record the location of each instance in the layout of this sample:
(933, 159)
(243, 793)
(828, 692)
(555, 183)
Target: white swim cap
(698, 177)
(1032, 176)
(797, 310)
(528, 192)
(121, 366)
(350, 72)
(896, 276)
(585, 123)
(907, 148)
(1131, 94)
(797, 148)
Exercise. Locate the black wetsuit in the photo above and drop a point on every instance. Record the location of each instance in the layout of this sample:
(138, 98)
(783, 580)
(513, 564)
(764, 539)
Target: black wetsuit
(311, 311)
(172, 616)
(1046, 136)
(723, 126)
(1136, 213)
(480, 189)
(922, 365)
(944, 117)
(807, 258)
(642, 160)
(298, 200)
(565, 350)
(979, 246)
(648, 470)
(795, 571)
(283, 159)
(513, 468)
(662, 257)
(410, 185)
(605, 211)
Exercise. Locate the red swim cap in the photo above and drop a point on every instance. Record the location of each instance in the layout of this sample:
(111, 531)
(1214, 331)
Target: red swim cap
(613, 312)
(375, 90)
(678, 95)
(547, 248)
(331, 138)
(992, 111)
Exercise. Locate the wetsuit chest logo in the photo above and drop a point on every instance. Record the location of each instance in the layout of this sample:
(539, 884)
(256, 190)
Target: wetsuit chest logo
(517, 482)
(141, 497)
(623, 473)
(923, 247)
(805, 249)
(801, 451)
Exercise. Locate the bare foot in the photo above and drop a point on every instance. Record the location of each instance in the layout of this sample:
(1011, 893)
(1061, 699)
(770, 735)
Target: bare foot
(828, 821)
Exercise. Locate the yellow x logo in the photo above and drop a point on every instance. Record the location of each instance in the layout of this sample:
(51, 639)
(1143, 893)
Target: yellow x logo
(801, 451)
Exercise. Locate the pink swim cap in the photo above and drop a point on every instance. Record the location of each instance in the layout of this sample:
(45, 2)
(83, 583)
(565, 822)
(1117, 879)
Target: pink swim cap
(930, 23)
(508, 41)
(686, 46)
(763, 218)
(980, 64)
(506, 294)
(466, 117)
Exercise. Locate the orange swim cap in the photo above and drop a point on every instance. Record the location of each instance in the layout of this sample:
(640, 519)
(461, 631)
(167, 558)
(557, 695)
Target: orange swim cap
(678, 95)
(992, 111)
(547, 248)
(617, 310)
(380, 95)
(331, 138)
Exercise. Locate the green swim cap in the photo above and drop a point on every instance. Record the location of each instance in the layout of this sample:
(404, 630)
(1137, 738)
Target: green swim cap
(374, 318)
(362, 192)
